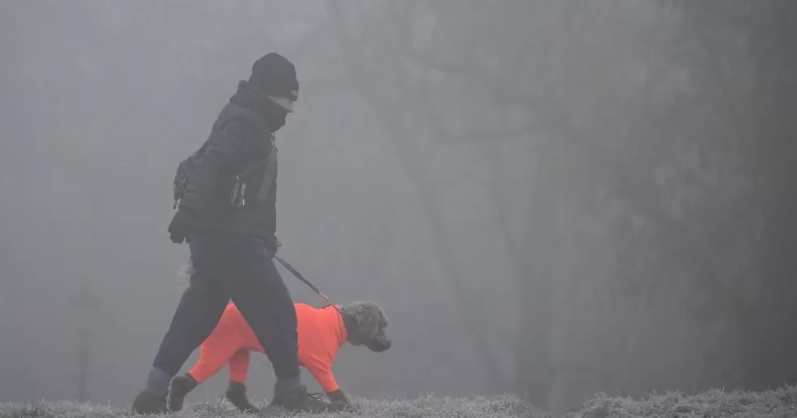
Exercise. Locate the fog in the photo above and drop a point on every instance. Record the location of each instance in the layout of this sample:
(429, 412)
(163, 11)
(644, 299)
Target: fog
(558, 198)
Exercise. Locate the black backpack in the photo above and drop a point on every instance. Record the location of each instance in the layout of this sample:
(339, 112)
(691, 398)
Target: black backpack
(181, 176)
(183, 173)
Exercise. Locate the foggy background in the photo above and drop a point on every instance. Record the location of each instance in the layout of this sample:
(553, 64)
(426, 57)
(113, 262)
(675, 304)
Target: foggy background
(553, 197)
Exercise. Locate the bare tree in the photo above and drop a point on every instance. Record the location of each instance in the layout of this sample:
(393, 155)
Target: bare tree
(635, 116)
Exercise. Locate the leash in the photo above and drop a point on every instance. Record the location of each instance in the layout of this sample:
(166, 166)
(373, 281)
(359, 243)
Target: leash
(300, 277)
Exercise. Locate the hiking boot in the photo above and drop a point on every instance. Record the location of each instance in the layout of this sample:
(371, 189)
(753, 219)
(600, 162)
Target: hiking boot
(180, 387)
(298, 400)
(149, 403)
(236, 394)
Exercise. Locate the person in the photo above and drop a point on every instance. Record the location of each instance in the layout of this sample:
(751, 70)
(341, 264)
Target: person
(184, 278)
(226, 212)
(322, 332)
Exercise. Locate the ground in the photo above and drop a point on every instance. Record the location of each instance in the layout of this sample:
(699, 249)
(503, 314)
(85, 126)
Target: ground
(778, 403)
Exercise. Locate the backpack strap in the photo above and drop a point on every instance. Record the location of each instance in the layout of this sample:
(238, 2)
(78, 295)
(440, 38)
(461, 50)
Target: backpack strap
(270, 173)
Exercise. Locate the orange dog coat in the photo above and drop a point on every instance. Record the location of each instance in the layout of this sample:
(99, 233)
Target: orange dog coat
(321, 334)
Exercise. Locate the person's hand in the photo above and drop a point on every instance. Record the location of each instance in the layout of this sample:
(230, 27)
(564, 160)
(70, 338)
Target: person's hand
(273, 245)
(182, 225)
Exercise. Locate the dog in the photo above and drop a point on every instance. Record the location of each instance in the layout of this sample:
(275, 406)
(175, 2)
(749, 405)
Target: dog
(321, 331)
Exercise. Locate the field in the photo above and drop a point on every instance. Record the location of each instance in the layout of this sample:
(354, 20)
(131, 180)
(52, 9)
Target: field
(716, 403)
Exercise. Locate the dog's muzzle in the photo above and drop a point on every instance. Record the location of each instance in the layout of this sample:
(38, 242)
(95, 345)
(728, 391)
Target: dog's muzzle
(379, 345)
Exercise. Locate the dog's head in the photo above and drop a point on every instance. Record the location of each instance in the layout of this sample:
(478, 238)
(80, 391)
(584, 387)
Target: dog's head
(365, 324)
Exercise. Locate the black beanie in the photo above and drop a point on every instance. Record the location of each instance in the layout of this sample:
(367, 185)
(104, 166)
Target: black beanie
(275, 76)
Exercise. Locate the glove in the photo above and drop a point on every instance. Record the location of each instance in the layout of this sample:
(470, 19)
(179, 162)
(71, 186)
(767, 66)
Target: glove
(272, 246)
(182, 225)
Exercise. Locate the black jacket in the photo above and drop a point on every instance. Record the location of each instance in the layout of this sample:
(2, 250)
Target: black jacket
(240, 139)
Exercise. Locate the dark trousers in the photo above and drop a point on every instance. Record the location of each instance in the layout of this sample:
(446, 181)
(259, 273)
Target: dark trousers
(238, 268)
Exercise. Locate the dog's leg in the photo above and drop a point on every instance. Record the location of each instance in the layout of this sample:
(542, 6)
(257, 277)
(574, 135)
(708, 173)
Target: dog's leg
(213, 355)
(340, 396)
(236, 390)
(236, 394)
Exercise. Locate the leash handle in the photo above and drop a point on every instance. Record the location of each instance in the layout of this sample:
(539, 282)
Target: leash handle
(300, 277)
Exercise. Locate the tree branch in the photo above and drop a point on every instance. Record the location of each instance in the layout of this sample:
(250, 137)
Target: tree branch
(418, 174)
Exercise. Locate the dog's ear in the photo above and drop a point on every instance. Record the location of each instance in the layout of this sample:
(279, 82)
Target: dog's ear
(368, 319)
